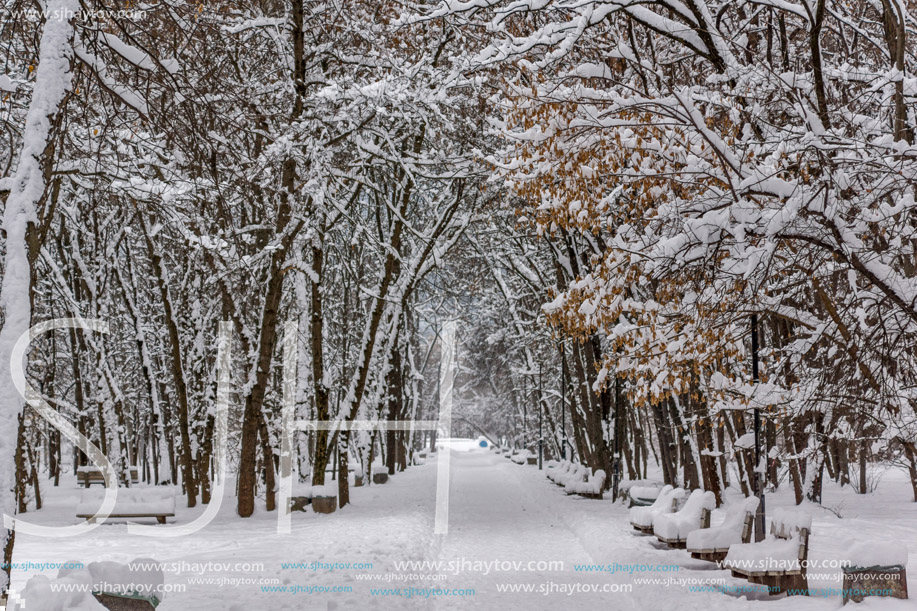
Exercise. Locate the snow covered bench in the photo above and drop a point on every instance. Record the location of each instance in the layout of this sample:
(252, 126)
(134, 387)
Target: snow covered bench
(673, 528)
(641, 518)
(576, 473)
(780, 560)
(712, 544)
(136, 586)
(558, 471)
(522, 457)
(591, 488)
(131, 503)
(87, 476)
(643, 496)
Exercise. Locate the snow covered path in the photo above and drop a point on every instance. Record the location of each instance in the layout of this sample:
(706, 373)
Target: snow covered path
(504, 539)
(515, 541)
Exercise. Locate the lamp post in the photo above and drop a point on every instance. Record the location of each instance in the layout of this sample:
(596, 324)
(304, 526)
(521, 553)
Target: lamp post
(759, 484)
(563, 400)
(540, 423)
(525, 416)
(616, 456)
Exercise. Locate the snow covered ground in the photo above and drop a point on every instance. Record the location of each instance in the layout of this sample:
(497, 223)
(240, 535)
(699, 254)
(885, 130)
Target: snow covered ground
(515, 541)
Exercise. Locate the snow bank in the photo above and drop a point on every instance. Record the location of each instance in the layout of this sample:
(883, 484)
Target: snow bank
(643, 516)
(677, 525)
(870, 553)
(726, 534)
(40, 597)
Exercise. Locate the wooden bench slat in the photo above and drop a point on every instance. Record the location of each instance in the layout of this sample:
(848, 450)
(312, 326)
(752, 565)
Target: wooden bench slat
(160, 517)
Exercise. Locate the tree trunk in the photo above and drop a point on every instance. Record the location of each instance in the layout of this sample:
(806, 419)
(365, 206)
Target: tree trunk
(177, 367)
(395, 407)
(910, 452)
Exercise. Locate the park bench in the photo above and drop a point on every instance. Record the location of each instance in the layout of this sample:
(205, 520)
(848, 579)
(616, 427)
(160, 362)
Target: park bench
(779, 561)
(591, 488)
(522, 457)
(642, 496)
(576, 473)
(126, 602)
(673, 528)
(131, 504)
(641, 518)
(558, 471)
(712, 544)
(135, 586)
(87, 476)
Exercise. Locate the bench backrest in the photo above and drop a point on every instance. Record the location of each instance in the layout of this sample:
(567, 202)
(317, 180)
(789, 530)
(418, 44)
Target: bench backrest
(85, 474)
(792, 524)
(668, 499)
(581, 473)
(745, 512)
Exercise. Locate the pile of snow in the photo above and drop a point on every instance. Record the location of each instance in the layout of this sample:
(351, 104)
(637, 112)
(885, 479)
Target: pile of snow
(870, 554)
(72, 589)
(745, 442)
(676, 526)
(644, 516)
(325, 491)
(594, 485)
(728, 533)
(151, 500)
(522, 457)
